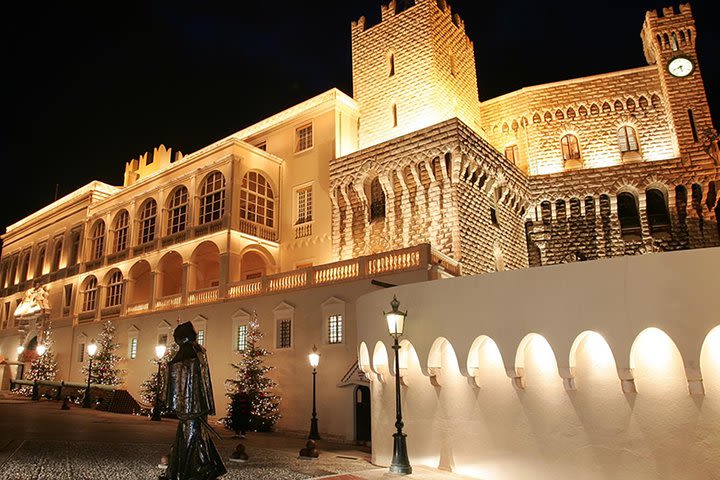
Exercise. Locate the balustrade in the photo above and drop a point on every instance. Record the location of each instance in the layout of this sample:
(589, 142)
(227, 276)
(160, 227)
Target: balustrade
(257, 230)
(138, 308)
(203, 296)
(170, 301)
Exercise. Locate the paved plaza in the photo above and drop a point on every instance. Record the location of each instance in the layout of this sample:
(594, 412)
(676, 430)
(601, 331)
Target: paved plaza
(41, 442)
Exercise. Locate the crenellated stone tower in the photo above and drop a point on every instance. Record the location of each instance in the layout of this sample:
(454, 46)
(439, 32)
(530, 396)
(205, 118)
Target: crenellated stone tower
(414, 69)
(669, 38)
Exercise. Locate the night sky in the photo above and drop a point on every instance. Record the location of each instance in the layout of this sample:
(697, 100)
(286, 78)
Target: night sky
(86, 88)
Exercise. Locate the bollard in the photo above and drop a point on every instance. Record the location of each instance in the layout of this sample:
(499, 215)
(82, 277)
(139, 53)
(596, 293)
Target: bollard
(58, 394)
(35, 391)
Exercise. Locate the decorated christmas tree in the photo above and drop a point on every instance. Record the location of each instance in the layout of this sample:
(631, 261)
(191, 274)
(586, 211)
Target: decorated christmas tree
(149, 387)
(104, 363)
(44, 366)
(251, 386)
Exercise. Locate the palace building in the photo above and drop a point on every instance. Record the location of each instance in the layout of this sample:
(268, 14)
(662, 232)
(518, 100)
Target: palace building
(410, 179)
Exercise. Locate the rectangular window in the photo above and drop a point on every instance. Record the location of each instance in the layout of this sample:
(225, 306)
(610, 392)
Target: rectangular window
(512, 154)
(68, 295)
(241, 338)
(81, 353)
(693, 127)
(201, 337)
(304, 205)
(304, 138)
(335, 329)
(284, 334)
(133, 347)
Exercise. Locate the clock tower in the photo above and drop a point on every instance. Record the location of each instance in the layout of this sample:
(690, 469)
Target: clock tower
(669, 38)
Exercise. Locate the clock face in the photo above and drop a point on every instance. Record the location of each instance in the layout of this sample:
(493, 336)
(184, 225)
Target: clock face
(680, 66)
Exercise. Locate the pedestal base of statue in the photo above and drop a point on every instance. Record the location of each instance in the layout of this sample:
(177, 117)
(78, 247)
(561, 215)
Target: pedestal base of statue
(400, 462)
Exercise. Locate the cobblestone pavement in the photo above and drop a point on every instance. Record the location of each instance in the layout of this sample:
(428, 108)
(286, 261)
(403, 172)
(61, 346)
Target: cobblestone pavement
(38, 441)
(57, 460)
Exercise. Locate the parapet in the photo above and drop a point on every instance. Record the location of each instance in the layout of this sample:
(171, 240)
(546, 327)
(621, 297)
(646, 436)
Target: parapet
(148, 163)
(396, 7)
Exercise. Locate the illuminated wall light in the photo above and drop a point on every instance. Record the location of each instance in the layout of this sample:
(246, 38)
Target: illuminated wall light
(712, 346)
(653, 349)
(380, 355)
(598, 350)
(541, 355)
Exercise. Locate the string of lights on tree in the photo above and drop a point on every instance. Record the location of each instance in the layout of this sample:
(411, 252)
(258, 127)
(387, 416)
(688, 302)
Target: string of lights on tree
(104, 365)
(251, 378)
(150, 385)
(43, 367)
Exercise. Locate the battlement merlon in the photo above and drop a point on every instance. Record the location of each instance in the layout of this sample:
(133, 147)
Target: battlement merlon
(390, 10)
(668, 30)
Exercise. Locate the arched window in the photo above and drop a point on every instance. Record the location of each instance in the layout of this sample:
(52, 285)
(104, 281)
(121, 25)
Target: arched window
(643, 102)
(74, 248)
(97, 240)
(257, 202)
(40, 263)
(628, 214)
(148, 217)
(177, 211)
(570, 148)
(24, 267)
(657, 211)
(394, 115)
(212, 198)
(114, 294)
(594, 109)
(548, 117)
(681, 200)
(377, 200)
(627, 139)
(57, 255)
(582, 111)
(122, 224)
(89, 294)
(536, 118)
(618, 106)
(13, 271)
(391, 64)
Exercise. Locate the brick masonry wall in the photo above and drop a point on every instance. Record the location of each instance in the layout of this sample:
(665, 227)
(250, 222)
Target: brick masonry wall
(593, 109)
(421, 39)
(439, 184)
(575, 213)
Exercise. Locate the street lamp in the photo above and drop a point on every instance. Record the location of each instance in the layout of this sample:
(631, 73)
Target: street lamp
(41, 349)
(314, 358)
(91, 351)
(159, 353)
(396, 323)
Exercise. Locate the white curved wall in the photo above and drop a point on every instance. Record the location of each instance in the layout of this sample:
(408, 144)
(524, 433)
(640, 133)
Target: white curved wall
(597, 370)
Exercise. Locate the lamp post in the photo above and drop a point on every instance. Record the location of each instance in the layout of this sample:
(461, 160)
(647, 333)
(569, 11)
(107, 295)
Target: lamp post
(91, 351)
(314, 358)
(159, 353)
(396, 323)
(40, 349)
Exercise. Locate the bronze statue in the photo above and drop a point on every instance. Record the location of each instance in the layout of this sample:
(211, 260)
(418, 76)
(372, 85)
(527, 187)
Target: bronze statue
(188, 393)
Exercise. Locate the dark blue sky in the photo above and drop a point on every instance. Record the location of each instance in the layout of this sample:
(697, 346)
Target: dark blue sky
(88, 88)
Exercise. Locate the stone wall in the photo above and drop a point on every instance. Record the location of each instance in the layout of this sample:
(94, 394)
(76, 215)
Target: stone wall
(440, 184)
(416, 65)
(575, 214)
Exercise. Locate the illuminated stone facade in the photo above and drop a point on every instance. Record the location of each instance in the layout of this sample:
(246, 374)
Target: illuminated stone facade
(410, 180)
